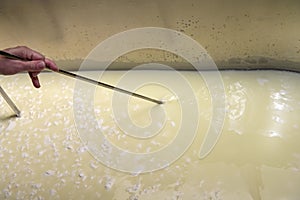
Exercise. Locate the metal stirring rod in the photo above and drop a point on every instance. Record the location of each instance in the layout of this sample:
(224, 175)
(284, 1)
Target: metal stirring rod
(10, 102)
(8, 55)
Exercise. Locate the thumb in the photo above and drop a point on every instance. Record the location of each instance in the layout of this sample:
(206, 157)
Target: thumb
(33, 66)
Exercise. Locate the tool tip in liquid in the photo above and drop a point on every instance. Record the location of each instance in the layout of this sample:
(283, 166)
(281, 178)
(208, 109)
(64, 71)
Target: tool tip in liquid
(18, 115)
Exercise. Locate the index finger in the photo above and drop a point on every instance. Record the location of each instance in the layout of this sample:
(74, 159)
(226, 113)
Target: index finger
(51, 65)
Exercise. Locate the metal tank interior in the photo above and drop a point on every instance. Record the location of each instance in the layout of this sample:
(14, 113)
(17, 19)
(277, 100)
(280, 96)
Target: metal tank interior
(227, 72)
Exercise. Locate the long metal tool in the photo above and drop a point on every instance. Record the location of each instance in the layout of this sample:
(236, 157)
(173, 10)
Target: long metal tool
(8, 55)
(10, 102)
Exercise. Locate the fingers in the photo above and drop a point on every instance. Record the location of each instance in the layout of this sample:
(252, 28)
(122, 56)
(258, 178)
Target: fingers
(35, 79)
(31, 55)
(51, 65)
(34, 74)
(32, 66)
(25, 53)
(10, 67)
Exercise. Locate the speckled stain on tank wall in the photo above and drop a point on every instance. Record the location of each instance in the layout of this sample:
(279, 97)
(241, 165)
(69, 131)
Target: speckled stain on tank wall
(232, 29)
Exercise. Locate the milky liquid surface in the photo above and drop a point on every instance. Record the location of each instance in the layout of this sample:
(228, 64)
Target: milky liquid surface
(256, 156)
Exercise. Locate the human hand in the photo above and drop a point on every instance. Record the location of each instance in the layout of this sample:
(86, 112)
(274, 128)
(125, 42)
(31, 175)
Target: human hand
(35, 63)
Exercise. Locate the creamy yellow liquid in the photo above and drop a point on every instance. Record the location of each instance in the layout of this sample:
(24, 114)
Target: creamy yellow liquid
(257, 155)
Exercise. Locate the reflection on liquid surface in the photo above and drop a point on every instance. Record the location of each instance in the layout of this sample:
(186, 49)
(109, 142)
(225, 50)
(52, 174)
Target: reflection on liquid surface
(257, 155)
